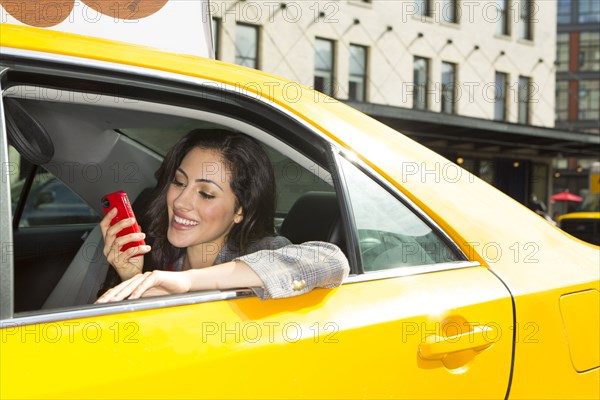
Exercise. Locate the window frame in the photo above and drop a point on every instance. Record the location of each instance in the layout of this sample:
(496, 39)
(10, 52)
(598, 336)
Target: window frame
(453, 17)
(524, 100)
(590, 48)
(593, 95)
(525, 25)
(165, 87)
(216, 23)
(503, 23)
(425, 11)
(417, 87)
(363, 94)
(6, 236)
(452, 84)
(563, 49)
(589, 15)
(256, 29)
(503, 97)
(564, 12)
(562, 114)
(331, 90)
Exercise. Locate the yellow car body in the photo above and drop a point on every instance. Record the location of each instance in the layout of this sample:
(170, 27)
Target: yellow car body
(520, 318)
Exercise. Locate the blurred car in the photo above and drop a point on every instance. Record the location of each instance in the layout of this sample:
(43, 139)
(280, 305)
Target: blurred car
(584, 223)
(456, 290)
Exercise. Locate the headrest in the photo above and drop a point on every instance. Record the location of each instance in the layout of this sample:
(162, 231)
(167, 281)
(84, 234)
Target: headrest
(312, 217)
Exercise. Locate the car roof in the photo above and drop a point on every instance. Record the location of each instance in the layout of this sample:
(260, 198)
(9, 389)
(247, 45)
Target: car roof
(580, 215)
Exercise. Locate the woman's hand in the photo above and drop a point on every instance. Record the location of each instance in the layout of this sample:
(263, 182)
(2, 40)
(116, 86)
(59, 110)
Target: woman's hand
(125, 262)
(153, 283)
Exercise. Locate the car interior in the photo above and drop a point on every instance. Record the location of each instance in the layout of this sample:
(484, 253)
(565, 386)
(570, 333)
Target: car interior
(70, 153)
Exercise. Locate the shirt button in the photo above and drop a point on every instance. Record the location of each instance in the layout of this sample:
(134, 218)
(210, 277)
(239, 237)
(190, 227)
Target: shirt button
(298, 285)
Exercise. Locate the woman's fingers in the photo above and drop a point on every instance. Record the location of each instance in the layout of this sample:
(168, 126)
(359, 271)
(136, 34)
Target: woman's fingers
(105, 223)
(150, 280)
(123, 290)
(113, 230)
(121, 241)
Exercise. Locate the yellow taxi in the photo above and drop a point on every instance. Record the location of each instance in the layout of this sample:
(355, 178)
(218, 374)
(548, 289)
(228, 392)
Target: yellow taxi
(584, 225)
(456, 290)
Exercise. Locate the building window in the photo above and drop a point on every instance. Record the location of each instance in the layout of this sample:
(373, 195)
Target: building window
(449, 13)
(501, 88)
(423, 8)
(524, 95)
(525, 14)
(246, 45)
(358, 73)
(324, 63)
(589, 11)
(563, 12)
(503, 12)
(216, 25)
(562, 52)
(589, 96)
(589, 51)
(562, 100)
(421, 82)
(448, 87)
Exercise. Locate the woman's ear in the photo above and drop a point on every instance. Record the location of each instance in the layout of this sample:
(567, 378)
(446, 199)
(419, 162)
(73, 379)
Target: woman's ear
(239, 216)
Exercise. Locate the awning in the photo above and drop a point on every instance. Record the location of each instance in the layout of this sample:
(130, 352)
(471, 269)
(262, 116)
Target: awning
(438, 130)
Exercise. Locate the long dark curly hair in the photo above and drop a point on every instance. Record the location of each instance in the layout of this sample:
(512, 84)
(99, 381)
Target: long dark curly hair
(252, 183)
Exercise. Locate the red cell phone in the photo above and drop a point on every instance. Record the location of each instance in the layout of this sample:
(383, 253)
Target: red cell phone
(120, 200)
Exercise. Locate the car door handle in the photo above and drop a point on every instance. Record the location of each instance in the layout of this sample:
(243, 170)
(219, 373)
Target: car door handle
(436, 347)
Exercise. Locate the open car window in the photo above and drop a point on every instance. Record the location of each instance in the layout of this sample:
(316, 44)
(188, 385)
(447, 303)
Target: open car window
(116, 144)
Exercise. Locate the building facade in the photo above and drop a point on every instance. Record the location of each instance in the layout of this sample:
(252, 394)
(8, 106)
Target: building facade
(473, 80)
(577, 86)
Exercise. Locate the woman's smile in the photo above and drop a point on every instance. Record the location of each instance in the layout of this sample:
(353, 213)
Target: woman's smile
(177, 220)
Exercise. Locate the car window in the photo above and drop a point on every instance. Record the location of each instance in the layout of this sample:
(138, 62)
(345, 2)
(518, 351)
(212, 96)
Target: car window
(49, 201)
(390, 234)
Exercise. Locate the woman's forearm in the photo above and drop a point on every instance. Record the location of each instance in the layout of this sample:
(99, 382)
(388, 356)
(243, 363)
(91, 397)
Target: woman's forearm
(233, 274)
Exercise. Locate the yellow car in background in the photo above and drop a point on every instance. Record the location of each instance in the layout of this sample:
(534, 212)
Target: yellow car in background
(584, 225)
(456, 290)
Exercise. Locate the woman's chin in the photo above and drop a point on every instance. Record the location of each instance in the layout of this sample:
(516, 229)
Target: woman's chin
(177, 240)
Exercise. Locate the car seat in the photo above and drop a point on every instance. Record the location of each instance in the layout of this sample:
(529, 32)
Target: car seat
(314, 216)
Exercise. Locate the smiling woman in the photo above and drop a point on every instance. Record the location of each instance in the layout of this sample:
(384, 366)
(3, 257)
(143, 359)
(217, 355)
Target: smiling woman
(213, 217)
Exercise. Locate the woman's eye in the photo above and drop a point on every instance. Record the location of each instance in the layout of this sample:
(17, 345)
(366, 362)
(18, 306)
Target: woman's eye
(207, 196)
(177, 183)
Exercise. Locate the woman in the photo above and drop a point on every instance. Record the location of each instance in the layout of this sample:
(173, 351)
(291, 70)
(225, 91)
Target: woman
(212, 228)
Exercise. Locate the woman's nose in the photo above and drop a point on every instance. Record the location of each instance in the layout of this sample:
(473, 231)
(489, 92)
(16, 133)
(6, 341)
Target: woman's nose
(184, 200)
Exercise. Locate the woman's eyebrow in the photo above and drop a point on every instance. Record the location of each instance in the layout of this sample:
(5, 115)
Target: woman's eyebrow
(183, 173)
(209, 181)
(201, 180)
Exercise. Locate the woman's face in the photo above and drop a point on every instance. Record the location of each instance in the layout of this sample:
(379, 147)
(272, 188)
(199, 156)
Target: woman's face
(200, 203)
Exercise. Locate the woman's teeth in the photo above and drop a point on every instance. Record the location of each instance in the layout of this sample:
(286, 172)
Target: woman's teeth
(184, 221)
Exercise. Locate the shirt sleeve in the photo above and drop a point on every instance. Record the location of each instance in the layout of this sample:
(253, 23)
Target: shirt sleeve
(292, 270)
